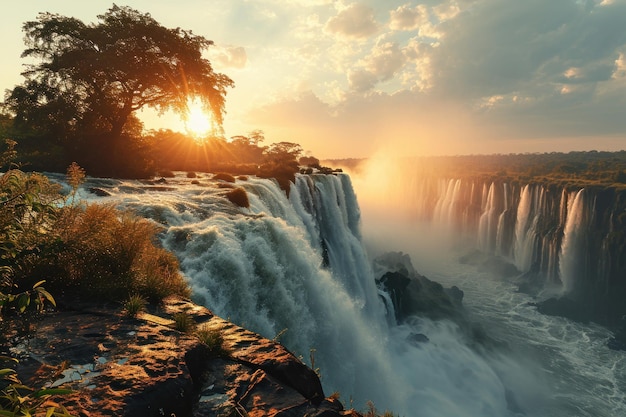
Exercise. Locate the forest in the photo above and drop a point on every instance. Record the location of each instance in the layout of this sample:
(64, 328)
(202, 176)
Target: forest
(570, 169)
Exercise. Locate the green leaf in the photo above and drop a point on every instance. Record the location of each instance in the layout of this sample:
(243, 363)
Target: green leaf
(52, 391)
(47, 296)
(23, 302)
(6, 371)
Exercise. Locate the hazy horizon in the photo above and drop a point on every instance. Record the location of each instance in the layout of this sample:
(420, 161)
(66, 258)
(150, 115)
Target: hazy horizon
(359, 78)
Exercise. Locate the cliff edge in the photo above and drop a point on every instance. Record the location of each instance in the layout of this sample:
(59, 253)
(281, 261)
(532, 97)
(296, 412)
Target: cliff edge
(121, 366)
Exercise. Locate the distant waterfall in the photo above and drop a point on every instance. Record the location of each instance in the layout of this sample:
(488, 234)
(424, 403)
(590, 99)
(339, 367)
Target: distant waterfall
(525, 230)
(572, 260)
(542, 229)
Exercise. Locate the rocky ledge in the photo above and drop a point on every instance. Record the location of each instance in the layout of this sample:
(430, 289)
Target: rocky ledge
(120, 366)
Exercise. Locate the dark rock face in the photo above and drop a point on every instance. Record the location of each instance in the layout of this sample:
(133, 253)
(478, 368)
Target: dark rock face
(120, 366)
(412, 293)
(99, 192)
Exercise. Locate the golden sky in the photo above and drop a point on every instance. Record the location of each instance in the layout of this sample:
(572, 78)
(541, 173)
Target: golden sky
(354, 78)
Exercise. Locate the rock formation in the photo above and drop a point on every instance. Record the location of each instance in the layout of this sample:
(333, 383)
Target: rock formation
(121, 366)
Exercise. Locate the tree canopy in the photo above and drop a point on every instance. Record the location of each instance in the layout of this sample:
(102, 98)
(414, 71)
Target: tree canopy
(90, 79)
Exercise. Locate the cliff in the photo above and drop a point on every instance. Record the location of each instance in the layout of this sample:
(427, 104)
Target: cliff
(121, 366)
(555, 236)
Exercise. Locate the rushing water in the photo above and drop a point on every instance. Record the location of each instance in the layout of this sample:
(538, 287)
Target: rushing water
(264, 268)
(565, 368)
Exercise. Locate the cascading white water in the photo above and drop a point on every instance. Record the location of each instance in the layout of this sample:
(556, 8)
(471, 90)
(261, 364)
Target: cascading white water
(487, 226)
(525, 229)
(572, 256)
(262, 268)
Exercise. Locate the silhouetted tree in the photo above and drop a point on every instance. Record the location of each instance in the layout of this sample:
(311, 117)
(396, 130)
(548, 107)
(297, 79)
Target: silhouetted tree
(91, 78)
(283, 153)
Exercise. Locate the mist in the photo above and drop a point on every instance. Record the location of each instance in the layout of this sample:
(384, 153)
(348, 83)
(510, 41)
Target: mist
(538, 359)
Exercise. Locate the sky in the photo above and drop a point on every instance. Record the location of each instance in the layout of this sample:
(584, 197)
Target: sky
(357, 78)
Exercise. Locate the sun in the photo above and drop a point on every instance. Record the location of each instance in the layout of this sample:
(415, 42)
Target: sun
(199, 123)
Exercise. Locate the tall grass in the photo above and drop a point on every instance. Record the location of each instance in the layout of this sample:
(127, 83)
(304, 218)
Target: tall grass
(112, 253)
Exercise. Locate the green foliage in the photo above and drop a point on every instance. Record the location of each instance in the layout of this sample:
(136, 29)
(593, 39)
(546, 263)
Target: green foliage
(27, 210)
(184, 323)
(95, 249)
(19, 400)
(239, 197)
(213, 339)
(134, 305)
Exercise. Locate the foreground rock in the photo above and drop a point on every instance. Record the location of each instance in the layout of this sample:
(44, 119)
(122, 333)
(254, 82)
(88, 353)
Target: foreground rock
(143, 367)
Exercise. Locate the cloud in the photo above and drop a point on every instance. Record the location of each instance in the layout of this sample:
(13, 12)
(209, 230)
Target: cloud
(498, 48)
(384, 61)
(228, 56)
(406, 17)
(473, 76)
(355, 21)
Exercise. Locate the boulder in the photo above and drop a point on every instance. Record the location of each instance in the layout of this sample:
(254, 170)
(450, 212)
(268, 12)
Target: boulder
(412, 293)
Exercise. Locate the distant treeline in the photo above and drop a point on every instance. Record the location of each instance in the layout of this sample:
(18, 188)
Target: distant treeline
(568, 169)
(143, 155)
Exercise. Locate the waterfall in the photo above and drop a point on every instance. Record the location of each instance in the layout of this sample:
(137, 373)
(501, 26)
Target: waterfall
(544, 230)
(525, 226)
(488, 223)
(297, 267)
(572, 257)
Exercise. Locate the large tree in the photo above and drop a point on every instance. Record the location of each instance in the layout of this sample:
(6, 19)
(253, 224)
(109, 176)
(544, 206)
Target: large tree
(89, 79)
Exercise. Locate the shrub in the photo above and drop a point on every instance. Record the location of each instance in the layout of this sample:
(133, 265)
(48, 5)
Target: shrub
(103, 252)
(184, 323)
(134, 305)
(213, 339)
(239, 197)
(223, 176)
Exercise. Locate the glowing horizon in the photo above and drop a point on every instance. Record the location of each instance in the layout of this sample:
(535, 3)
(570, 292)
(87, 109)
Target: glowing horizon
(351, 79)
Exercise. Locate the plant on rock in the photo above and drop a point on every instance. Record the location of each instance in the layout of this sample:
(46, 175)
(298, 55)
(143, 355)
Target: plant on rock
(18, 400)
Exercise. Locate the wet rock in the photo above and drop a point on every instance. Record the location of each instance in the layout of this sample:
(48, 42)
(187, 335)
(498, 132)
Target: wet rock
(412, 293)
(99, 192)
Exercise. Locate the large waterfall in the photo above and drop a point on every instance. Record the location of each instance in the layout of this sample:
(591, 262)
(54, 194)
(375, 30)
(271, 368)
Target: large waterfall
(560, 237)
(295, 268)
(493, 238)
